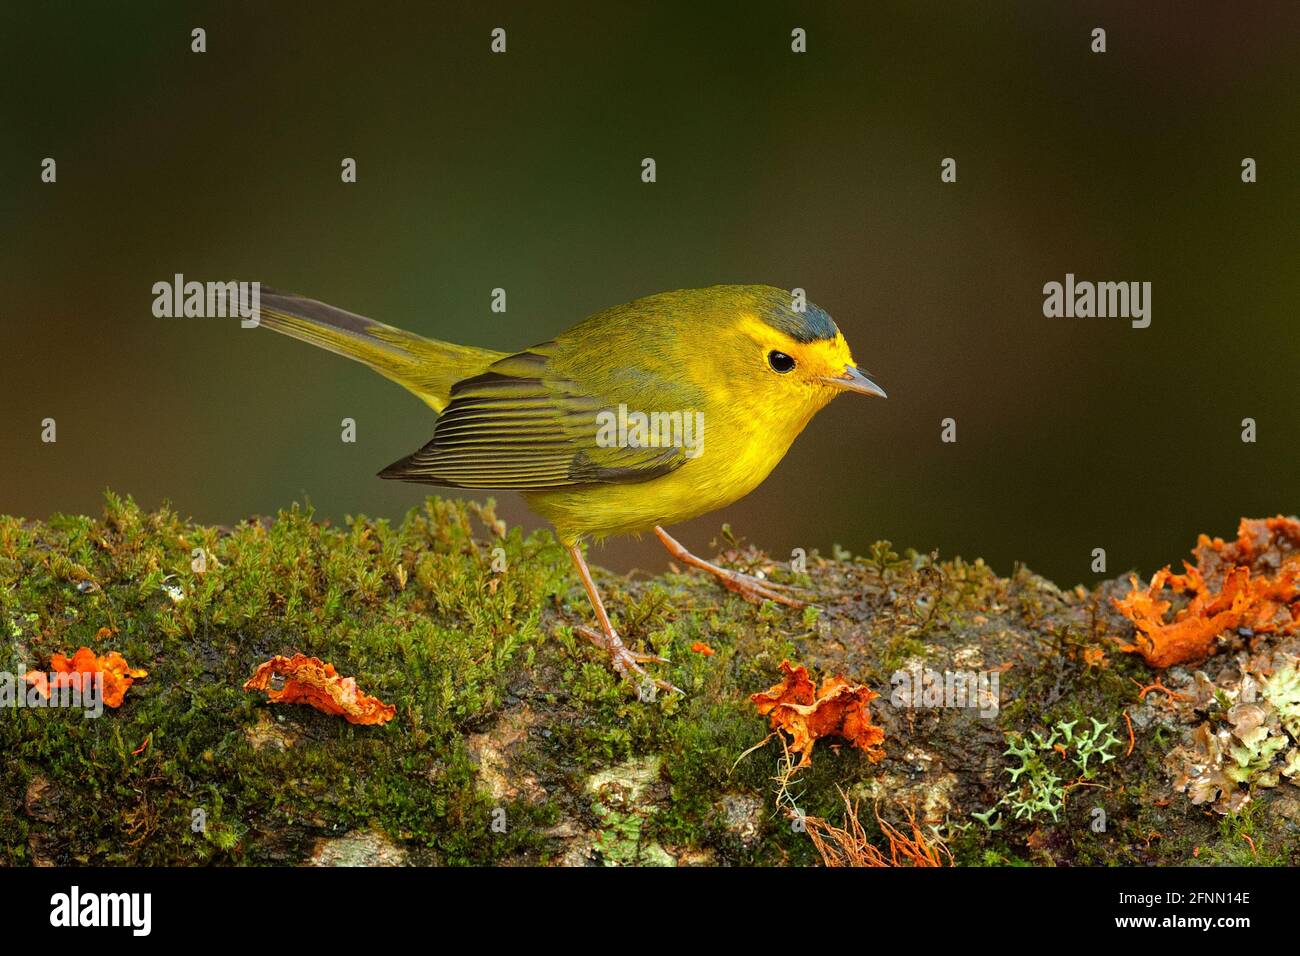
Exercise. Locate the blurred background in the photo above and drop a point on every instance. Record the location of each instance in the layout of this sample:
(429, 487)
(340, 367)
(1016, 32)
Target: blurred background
(522, 171)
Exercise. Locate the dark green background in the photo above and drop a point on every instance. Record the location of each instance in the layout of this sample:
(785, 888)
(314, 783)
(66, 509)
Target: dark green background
(522, 171)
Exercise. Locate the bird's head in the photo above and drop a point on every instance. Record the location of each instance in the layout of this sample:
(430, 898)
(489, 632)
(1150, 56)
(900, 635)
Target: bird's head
(790, 355)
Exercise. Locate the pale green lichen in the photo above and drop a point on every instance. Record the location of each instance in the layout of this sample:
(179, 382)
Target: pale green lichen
(1282, 690)
(1243, 746)
(1042, 789)
(622, 804)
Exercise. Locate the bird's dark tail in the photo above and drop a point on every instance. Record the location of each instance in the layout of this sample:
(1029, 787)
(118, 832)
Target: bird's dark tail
(426, 367)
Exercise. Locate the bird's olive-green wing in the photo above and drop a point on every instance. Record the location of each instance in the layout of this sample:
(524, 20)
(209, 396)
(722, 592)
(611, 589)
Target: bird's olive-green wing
(518, 425)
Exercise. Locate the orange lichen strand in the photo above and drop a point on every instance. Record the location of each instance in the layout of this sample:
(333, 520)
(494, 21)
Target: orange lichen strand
(806, 714)
(848, 846)
(1252, 583)
(699, 647)
(1143, 690)
(311, 681)
(82, 666)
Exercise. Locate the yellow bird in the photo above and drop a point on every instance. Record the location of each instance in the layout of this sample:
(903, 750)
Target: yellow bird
(640, 416)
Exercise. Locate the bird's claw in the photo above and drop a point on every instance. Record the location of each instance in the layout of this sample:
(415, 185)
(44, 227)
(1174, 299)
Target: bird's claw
(752, 589)
(769, 583)
(626, 662)
(756, 590)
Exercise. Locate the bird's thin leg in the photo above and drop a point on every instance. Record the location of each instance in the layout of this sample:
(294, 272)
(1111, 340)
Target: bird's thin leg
(627, 663)
(752, 589)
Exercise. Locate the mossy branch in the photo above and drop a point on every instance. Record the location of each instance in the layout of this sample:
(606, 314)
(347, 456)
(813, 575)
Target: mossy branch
(513, 740)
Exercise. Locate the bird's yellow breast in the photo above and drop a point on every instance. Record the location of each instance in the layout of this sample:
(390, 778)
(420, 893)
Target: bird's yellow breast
(742, 443)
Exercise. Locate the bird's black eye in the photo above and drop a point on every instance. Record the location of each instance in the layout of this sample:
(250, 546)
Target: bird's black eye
(779, 361)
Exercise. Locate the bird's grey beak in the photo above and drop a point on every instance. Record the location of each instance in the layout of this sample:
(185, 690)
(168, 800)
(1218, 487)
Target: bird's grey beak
(855, 380)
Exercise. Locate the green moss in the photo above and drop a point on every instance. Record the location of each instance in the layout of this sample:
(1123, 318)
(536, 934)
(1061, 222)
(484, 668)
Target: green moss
(411, 612)
(415, 613)
(901, 649)
(1243, 841)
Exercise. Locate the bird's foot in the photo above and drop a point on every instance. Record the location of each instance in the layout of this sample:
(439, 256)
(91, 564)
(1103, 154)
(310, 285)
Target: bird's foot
(627, 662)
(752, 589)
